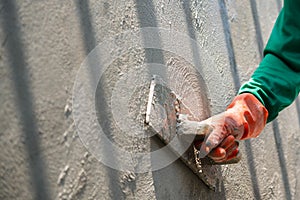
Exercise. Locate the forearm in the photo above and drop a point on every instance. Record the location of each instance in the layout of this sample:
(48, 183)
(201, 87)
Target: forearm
(276, 82)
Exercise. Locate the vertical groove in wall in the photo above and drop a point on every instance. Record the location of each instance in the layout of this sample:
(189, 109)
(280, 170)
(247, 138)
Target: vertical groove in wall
(229, 45)
(259, 39)
(282, 161)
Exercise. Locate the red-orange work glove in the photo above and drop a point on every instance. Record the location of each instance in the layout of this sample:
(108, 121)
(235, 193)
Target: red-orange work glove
(244, 118)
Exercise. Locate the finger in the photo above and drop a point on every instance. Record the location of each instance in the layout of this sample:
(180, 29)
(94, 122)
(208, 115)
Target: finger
(217, 153)
(220, 154)
(212, 141)
(232, 148)
(227, 142)
(233, 154)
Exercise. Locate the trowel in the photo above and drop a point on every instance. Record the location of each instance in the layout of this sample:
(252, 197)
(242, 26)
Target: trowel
(176, 126)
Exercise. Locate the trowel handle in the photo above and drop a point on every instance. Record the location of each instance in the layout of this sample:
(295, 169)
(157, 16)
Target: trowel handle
(187, 127)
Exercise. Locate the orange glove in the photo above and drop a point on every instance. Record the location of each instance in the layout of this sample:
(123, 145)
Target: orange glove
(244, 118)
(225, 151)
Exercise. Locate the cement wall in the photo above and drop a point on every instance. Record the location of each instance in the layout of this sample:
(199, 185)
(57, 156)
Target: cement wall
(43, 44)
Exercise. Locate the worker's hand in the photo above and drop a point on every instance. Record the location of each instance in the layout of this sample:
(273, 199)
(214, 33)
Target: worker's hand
(244, 118)
(226, 151)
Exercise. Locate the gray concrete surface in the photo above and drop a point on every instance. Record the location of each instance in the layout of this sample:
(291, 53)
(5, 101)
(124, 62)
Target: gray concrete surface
(43, 44)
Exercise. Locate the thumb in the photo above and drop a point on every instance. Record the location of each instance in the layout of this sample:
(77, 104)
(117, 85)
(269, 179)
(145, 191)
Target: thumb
(213, 139)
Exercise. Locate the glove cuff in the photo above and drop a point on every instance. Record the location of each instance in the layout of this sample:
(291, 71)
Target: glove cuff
(247, 112)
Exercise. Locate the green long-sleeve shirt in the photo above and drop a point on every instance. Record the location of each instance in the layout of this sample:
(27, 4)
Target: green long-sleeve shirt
(276, 82)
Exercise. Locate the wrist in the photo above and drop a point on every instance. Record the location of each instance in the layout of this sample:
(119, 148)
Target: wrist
(249, 116)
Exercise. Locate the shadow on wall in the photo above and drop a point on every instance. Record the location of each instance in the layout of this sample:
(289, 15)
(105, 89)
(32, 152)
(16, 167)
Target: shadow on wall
(282, 161)
(88, 34)
(24, 98)
(146, 18)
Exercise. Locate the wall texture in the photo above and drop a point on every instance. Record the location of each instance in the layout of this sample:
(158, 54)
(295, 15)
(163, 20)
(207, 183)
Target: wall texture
(43, 44)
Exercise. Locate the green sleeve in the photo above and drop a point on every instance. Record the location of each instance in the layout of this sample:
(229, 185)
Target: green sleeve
(276, 82)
